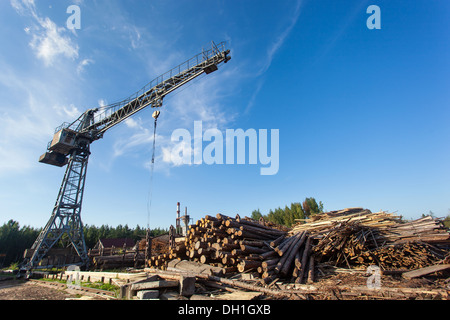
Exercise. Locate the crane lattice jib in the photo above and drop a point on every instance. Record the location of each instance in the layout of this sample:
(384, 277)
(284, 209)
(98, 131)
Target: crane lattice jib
(153, 93)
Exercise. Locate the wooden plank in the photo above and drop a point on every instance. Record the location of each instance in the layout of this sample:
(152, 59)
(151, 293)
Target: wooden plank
(240, 295)
(155, 285)
(425, 271)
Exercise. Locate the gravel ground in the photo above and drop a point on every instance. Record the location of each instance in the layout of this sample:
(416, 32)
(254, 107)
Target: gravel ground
(24, 290)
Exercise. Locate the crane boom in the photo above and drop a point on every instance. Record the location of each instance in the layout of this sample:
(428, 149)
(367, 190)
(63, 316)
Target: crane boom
(153, 93)
(93, 123)
(71, 146)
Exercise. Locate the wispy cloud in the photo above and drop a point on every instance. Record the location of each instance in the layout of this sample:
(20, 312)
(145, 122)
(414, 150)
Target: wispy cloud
(48, 40)
(67, 112)
(251, 102)
(281, 38)
(83, 64)
(134, 35)
(271, 52)
(28, 125)
(334, 38)
(196, 101)
(34, 101)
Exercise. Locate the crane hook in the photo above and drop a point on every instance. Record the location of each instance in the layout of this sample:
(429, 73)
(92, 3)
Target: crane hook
(156, 114)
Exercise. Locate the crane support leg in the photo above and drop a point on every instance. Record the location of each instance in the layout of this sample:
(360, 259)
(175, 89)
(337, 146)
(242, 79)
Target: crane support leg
(65, 226)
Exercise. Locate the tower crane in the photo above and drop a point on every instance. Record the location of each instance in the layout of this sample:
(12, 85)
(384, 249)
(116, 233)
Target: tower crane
(70, 147)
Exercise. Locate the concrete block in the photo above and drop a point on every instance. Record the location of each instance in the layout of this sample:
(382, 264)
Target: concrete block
(147, 294)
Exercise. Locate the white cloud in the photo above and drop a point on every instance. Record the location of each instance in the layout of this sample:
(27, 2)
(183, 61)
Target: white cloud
(139, 139)
(27, 131)
(50, 43)
(178, 154)
(48, 40)
(134, 35)
(102, 103)
(32, 106)
(23, 6)
(132, 123)
(67, 112)
(84, 63)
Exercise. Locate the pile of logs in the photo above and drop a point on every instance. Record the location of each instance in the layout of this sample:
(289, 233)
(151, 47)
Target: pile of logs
(112, 258)
(357, 237)
(160, 245)
(228, 253)
(350, 244)
(410, 256)
(239, 245)
(426, 229)
(124, 260)
(322, 223)
(390, 228)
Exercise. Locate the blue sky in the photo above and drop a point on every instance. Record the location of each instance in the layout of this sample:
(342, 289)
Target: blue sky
(363, 115)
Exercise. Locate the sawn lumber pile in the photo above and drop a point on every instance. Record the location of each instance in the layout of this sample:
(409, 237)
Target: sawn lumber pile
(357, 237)
(238, 245)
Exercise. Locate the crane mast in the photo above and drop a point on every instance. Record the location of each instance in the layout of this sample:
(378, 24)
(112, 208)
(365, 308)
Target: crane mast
(71, 146)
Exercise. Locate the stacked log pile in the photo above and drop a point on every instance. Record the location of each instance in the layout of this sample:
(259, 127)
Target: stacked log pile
(239, 245)
(321, 224)
(427, 229)
(112, 258)
(126, 259)
(160, 245)
(357, 237)
(221, 250)
(389, 227)
(411, 255)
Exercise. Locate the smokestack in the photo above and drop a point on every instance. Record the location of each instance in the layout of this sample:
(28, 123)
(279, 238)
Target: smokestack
(178, 210)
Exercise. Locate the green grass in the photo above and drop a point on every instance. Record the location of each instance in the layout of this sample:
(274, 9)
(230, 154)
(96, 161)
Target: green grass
(97, 285)
(100, 285)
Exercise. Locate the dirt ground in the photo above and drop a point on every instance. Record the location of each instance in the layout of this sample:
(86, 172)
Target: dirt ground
(13, 289)
(25, 290)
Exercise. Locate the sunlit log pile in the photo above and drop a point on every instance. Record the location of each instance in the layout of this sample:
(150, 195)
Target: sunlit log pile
(238, 245)
(357, 237)
(352, 237)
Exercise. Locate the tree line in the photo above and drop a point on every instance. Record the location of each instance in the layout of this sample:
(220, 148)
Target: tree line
(286, 216)
(14, 239)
